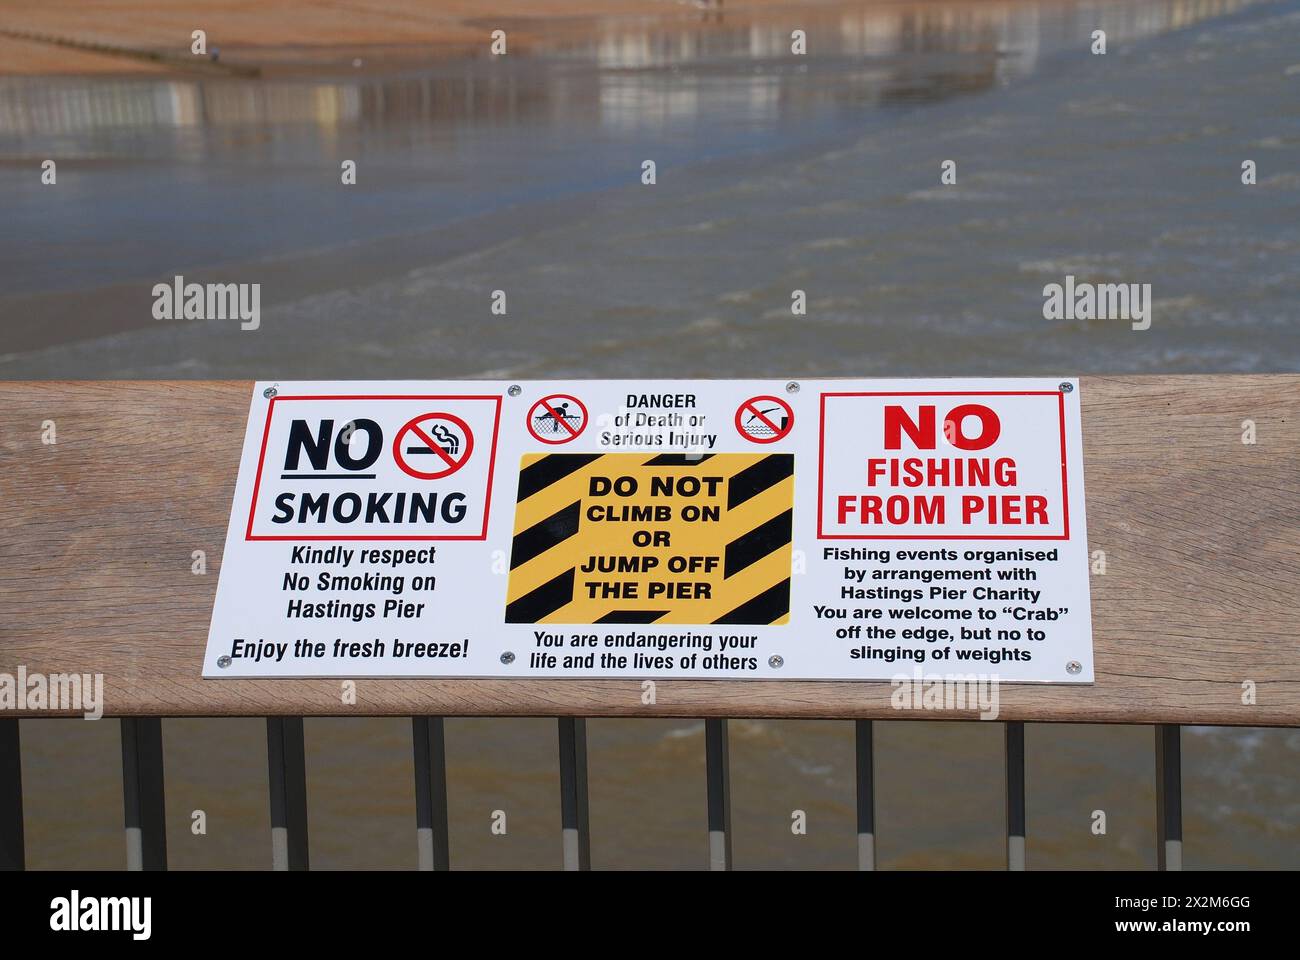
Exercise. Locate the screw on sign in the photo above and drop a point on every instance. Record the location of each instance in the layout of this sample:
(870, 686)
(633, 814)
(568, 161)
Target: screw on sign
(433, 445)
(764, 419)
(558, 418)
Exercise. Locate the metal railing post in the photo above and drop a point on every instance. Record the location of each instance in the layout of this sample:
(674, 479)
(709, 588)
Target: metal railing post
(12, 855)
(718, 773)
(1169, 797)
(864, 749)
(431, 793)
(574, 812)
(143, 793)
(1016, 810)
(287, 763)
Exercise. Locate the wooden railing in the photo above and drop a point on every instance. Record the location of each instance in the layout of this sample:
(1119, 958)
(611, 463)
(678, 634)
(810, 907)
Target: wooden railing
(1196, 617)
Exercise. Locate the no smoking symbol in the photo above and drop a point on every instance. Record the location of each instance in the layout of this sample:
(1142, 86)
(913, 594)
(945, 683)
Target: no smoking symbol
(558, 418)
(440, 443)
(764, 419)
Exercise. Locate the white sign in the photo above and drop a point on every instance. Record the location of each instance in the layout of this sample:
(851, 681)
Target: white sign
(837, 529)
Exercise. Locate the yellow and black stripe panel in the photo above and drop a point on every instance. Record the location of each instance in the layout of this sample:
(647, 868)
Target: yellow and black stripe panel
(642, 538)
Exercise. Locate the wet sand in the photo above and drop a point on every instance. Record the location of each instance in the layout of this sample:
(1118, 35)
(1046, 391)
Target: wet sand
(44, 38)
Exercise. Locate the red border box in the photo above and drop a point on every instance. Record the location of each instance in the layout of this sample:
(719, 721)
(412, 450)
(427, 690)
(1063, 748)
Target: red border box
(487, 503)
(821, 463)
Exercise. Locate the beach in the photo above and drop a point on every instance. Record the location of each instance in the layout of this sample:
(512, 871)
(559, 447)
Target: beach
(120, 36)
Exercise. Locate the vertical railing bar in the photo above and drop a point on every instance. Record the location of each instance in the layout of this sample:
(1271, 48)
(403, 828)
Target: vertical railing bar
(287, 767)
(1169, 797)
(431, 793)
(574, 810)
(12, 855)
(143, 799)
(1015, 765)
(718, 774)
(866, 794)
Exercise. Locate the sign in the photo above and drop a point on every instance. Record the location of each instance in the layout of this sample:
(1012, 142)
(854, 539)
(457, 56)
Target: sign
(943, 466)
(322, 468)
(839, 529)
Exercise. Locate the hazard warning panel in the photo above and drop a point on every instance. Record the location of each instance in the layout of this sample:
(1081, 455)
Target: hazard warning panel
(905, 530)
(669, 538)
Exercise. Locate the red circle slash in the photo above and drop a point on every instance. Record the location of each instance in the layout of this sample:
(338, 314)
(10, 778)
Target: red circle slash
(445, 450)
(556, 420)
(757, 426)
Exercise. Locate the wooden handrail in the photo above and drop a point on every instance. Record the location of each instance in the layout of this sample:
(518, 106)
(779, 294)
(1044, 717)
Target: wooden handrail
(1201, 593)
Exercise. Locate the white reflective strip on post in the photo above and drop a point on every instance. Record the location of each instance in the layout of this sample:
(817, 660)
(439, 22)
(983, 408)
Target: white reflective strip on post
(717, 850)
(1173, 855)
(279, 848)
(134, 849)
(572, 851)
(866, 851)
(424, 848)
(1015, 853)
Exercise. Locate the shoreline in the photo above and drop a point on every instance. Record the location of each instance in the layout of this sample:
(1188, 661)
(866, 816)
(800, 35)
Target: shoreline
(153, 38)
(701, 240)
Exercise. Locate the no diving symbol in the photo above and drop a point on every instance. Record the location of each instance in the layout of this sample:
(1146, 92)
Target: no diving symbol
(558, 418)
(433, 445)
(764, 419)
